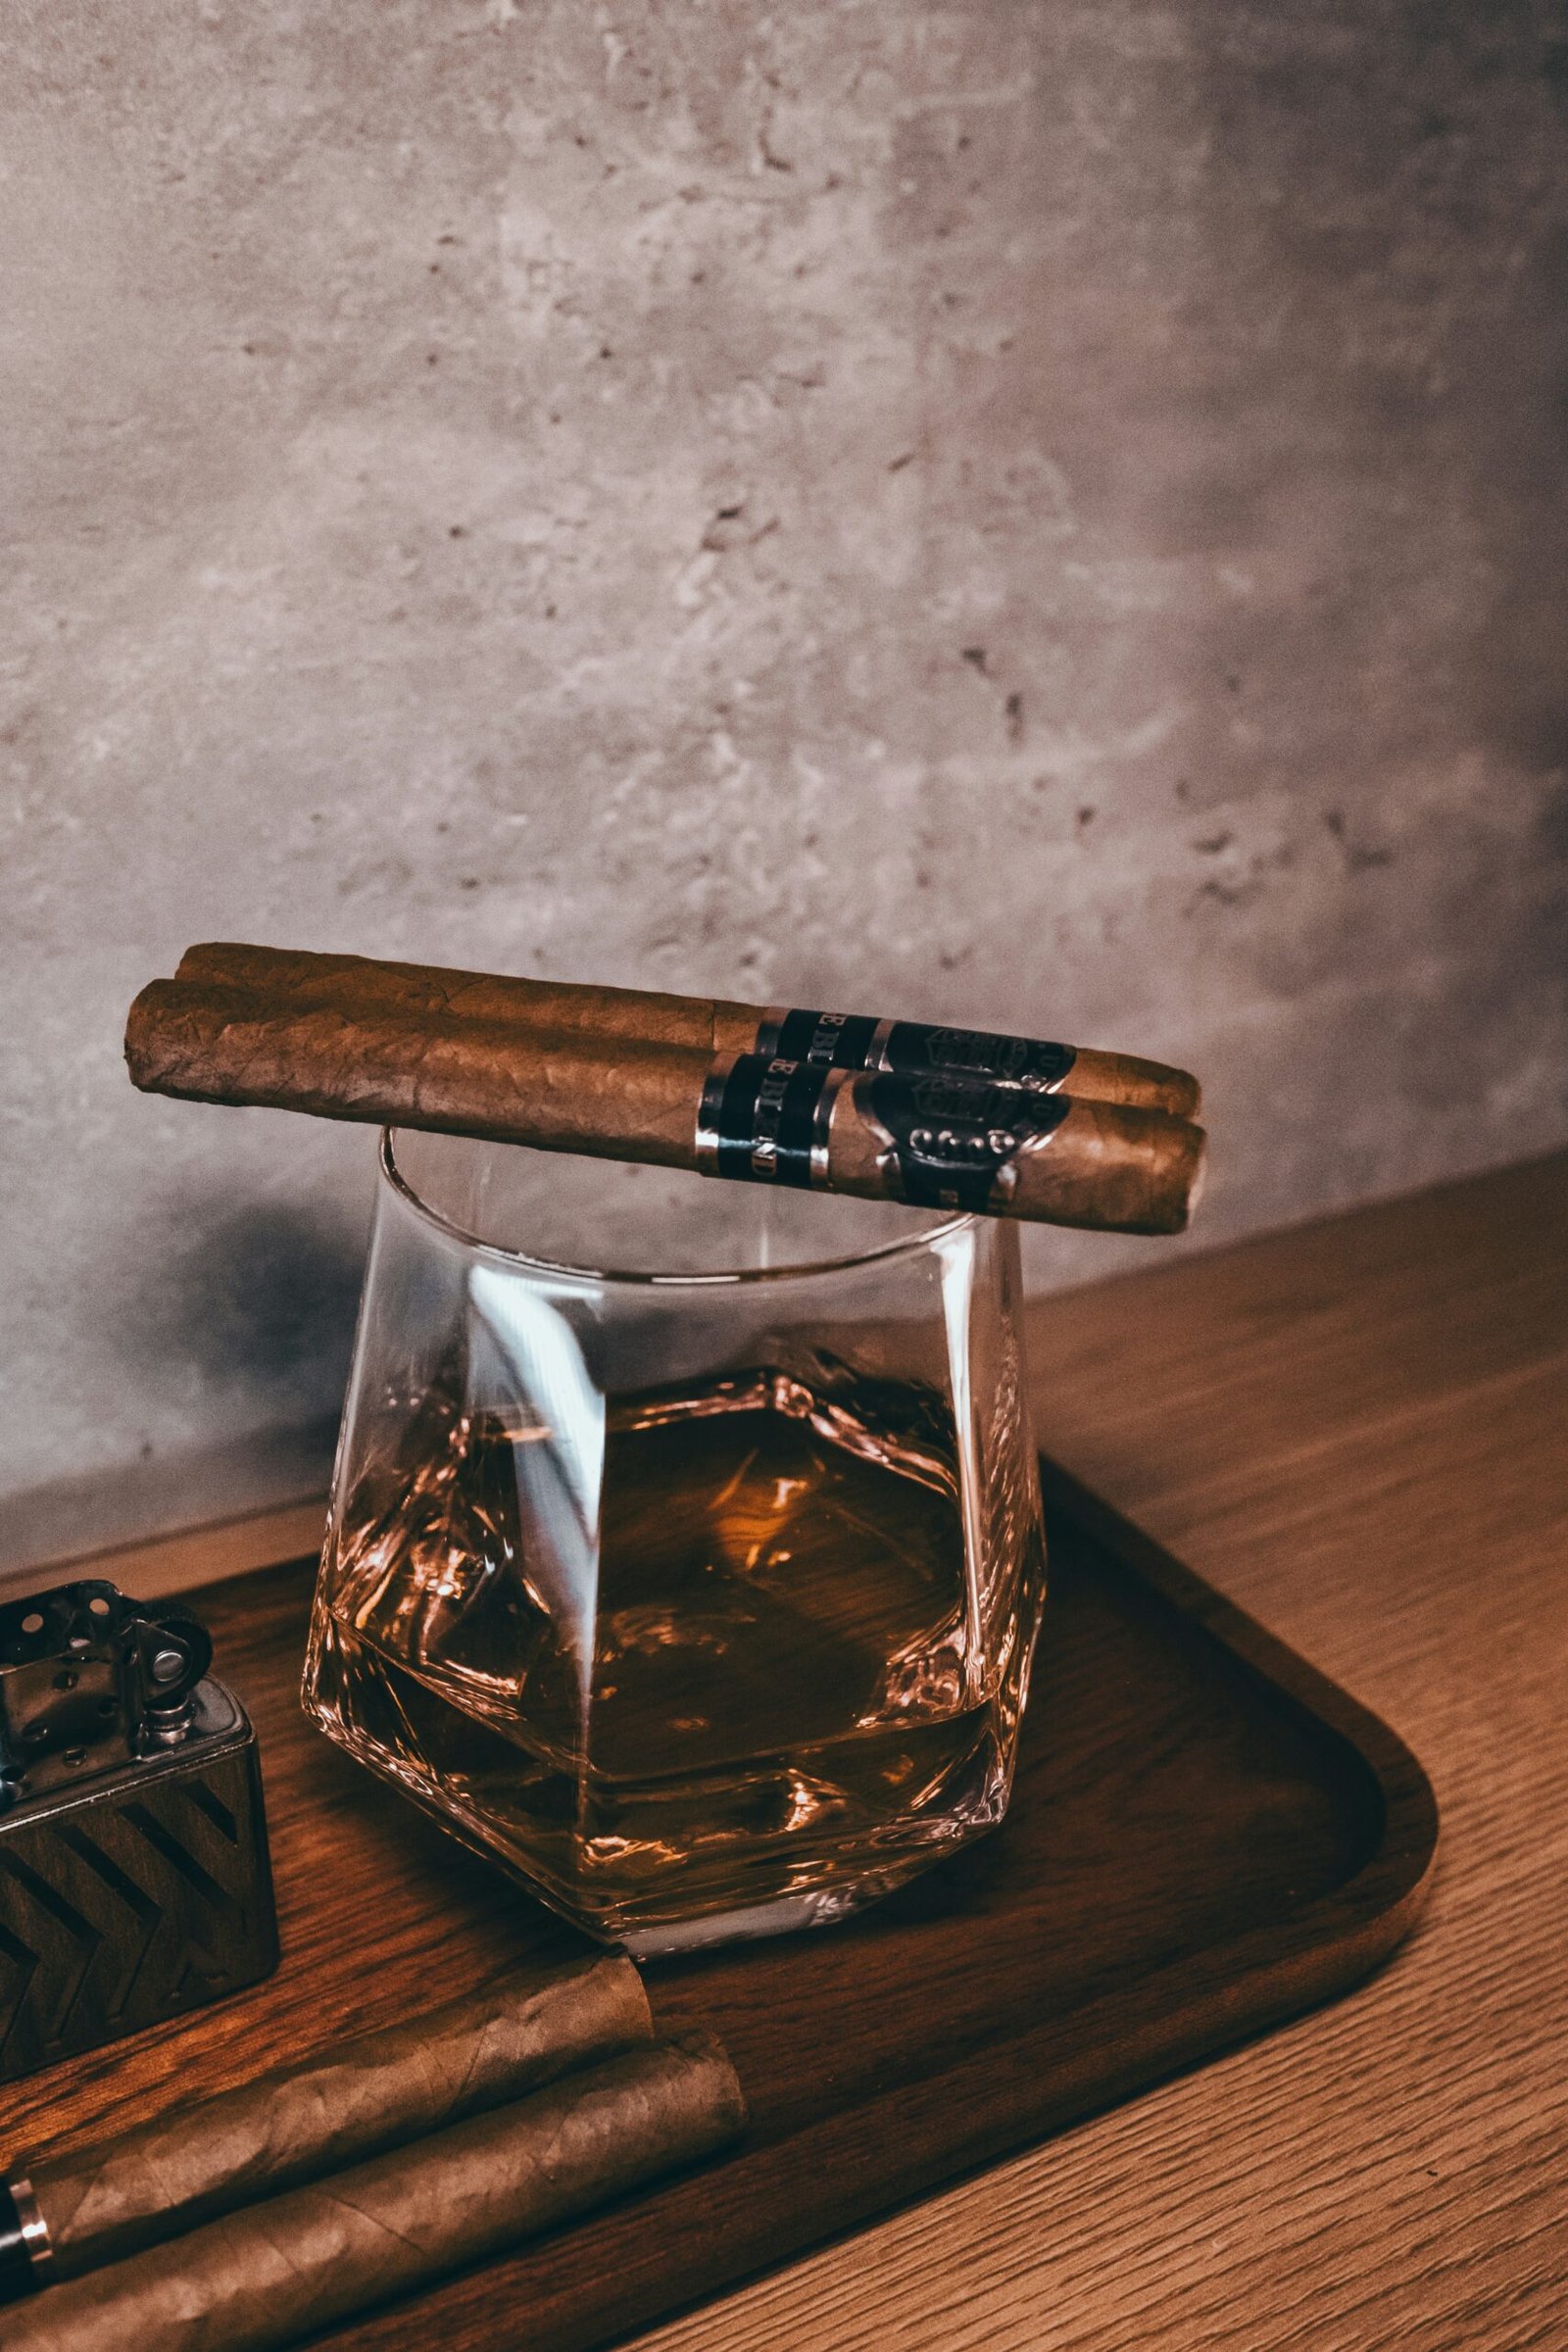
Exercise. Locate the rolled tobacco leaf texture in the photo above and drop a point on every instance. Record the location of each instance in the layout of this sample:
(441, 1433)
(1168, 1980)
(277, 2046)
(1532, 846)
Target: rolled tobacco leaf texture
(943, 1139)
(709, 1026)
(332, 2109)
(259, 2279)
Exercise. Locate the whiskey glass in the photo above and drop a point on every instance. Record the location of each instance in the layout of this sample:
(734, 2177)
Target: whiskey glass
(685, 1554)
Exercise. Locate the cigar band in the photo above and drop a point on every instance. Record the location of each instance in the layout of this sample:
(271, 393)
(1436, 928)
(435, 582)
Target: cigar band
(829, 1041)
(852, 1041)
(949, 1142)
(764, 1119)
(25, 2253)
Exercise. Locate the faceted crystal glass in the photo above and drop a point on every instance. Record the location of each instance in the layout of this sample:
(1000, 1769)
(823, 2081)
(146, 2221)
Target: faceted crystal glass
(699, 1596)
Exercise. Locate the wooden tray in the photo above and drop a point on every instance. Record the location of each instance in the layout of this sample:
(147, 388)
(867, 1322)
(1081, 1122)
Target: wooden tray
(1206, 1837)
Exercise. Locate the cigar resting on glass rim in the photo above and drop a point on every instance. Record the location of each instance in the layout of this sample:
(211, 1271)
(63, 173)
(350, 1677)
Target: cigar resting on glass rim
(705, 1025)
(264, 2277)
(940, 1140)
(335, 2107)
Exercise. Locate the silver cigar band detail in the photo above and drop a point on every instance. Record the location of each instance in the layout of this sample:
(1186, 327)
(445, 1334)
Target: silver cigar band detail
(34, 2228)
(950, 1142)
(27, 2256)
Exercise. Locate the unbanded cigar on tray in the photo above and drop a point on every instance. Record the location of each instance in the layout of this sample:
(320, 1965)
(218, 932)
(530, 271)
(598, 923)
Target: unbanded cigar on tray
(259, 2278)
(706, 1025)
(332, 2109)
(940, 1140)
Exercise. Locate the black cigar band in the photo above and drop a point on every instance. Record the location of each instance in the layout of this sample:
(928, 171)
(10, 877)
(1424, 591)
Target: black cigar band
(829, 1041)
(25, 2248)
(852, 1041)
(763, 1118)
(953, 1142)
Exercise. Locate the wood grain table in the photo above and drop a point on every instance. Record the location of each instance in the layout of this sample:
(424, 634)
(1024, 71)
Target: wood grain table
(1359, 1430)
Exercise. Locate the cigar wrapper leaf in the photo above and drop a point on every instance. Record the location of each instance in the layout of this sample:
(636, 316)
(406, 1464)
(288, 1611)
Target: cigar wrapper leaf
(599, 1096)
(336, 2108)
(295, 978)
(259, 2279)
(1103, 1167)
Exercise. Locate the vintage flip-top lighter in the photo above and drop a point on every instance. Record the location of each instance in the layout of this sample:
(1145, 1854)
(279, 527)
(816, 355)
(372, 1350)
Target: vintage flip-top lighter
(134, 1881)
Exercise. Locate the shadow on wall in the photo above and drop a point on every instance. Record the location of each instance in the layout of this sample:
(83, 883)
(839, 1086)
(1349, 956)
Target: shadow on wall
(252, 1316)
(261, 1301)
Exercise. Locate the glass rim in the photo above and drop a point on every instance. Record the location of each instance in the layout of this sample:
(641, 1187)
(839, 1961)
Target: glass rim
(904, 1244)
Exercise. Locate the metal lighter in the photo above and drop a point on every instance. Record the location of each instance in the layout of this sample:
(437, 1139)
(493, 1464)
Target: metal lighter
(135, 1878)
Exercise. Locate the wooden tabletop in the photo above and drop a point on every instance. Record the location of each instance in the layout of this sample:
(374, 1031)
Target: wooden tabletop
(1358, 1429)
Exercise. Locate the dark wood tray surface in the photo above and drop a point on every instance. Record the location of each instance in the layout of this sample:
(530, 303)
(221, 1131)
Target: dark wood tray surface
(1206, 1837)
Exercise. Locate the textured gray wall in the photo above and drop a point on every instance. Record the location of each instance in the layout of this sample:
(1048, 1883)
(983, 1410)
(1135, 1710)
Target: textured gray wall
(1045, 514)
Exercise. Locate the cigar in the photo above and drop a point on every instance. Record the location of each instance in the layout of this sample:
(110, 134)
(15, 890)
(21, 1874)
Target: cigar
(938, 1141)
(701, 1024)
(261, 2277)
(298, 2122)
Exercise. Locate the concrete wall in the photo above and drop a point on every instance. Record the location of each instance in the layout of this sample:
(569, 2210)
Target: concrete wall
(1044, 514)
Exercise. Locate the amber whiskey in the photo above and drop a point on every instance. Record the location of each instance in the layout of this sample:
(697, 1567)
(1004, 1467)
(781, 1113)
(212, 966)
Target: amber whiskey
(694, 1664)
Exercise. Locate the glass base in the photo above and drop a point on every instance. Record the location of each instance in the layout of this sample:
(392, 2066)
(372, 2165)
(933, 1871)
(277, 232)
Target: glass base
(812, 1873)
(820, 1907)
